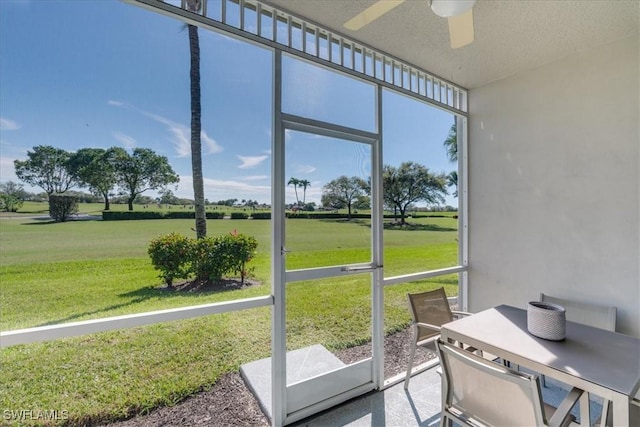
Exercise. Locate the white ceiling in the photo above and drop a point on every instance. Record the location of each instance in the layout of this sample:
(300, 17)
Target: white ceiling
(510, 35)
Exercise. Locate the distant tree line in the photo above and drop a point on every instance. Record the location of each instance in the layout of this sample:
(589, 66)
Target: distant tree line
(99, 170)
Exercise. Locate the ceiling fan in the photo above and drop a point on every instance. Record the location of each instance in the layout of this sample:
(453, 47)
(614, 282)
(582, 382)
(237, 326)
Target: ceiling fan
(458, 12)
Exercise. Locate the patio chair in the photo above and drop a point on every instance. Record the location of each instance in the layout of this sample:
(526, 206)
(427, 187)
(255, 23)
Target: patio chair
(596, 315)
(429, 310)
(477, 391)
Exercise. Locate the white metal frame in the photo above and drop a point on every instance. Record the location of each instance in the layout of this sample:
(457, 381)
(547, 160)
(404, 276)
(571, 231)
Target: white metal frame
(289, 32)
(305, 398)
(376, 67)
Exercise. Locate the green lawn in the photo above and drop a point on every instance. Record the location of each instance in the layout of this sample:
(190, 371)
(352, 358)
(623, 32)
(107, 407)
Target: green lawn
(52, 273)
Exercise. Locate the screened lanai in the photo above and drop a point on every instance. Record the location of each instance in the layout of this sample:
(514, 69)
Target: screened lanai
(545, 107)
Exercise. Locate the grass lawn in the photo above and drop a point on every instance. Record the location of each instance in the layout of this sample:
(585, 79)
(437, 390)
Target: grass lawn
(52, 273)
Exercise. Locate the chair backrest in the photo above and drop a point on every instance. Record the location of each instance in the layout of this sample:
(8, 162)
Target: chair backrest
(486, 392)
(430, 307)
(596, 315)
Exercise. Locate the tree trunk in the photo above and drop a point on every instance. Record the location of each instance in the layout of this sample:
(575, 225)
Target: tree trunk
(130, 202)
(349, 211)
(196, 130)
(402, 213)
(106, 201)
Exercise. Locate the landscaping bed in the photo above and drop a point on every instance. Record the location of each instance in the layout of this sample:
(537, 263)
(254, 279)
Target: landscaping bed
(230, 403)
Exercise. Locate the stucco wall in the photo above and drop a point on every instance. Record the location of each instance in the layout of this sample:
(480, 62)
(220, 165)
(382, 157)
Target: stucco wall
(554, 187)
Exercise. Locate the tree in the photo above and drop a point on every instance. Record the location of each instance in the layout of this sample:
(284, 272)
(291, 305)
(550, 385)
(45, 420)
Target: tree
(46, 167)
(452, 181)
(295, 182)
(12, 196)
(410, 183)
(451, 145)
(94, 168)
(304, 184)
(196, 124)
(167, 197)
(343, 192)
(141, 171)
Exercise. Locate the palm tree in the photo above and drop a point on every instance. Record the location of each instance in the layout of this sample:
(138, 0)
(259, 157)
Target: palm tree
(295, 182)
(196, 125)
(451, 143)
(304, 184)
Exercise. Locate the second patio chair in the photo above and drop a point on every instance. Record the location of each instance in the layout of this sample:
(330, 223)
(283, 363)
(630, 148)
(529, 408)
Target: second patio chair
(476, 391)
(429, 310)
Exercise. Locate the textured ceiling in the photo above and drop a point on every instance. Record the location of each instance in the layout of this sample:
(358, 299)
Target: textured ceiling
(510, 36)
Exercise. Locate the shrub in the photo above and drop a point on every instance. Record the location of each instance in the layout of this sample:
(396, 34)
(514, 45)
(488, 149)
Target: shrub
(10, 203)
(180, 215)
(238, 249)
(62, 206)
(208, 261)
(171, 255)
(129, 215)
(215, 215)
(261, 215)
(239, 215)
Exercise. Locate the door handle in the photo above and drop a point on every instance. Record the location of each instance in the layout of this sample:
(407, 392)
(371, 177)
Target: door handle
(356, 269)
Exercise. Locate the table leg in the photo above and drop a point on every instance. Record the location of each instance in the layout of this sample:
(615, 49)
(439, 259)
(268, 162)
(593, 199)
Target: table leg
(620, 409)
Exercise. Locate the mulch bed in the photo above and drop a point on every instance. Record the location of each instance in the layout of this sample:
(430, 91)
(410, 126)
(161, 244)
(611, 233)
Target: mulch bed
(230, 403)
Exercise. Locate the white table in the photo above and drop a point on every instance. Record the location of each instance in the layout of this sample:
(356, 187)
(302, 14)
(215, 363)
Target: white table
(595, 360)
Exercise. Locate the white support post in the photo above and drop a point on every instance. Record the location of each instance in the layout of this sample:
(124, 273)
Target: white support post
(278, 318)
(462, 127)
(377, 250)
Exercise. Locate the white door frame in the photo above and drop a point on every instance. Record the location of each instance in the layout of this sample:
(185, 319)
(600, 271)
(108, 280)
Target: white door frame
(291, 403)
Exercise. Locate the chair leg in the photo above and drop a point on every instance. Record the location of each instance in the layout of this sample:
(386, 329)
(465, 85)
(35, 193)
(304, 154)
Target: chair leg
(410, 365)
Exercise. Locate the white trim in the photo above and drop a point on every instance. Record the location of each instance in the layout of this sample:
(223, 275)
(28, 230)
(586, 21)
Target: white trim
(377, 250)
(372, 64)
(64, 330)
(278, 288)
(423, 275)
(324, 272)
(463, 209)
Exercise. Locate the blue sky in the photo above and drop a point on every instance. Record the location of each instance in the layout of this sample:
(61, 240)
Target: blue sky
(102, 73)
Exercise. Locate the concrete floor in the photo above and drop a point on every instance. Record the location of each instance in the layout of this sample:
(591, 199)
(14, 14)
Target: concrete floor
(420, 405)
(395, 406)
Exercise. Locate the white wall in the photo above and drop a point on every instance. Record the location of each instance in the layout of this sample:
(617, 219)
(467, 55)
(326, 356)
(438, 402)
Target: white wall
(554, 187)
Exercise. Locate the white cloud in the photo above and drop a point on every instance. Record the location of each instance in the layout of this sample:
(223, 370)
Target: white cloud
(251, 161)
(180, 134)
(255, 177)
(305, 169)
(126, 140)
(210, 143)
(8, 124)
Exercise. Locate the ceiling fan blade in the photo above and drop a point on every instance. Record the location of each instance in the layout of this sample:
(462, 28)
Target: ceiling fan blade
(461, 29)
(371, 13)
